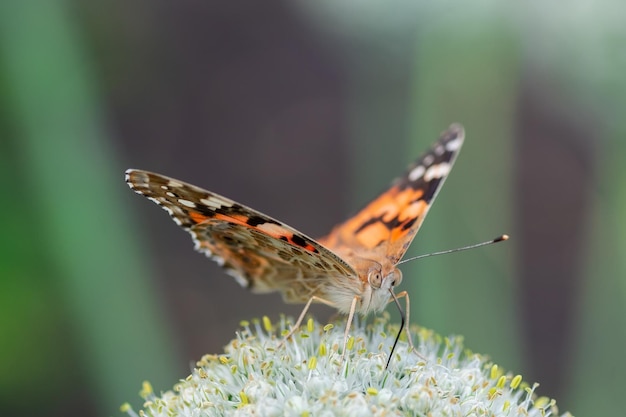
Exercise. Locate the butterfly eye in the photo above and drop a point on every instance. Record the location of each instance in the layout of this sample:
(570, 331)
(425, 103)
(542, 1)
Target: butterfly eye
(396, 278)
(375, 278)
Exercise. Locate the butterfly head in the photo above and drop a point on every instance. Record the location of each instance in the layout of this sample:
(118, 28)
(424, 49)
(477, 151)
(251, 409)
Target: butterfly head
(378, 280)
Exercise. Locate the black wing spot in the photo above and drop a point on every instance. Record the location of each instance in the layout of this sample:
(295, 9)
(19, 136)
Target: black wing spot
(407, 225)
(257, 220)
(432, 185)
(298, 240)
(370, 222)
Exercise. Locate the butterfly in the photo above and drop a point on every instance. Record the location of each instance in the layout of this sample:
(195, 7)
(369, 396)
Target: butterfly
(354, 268)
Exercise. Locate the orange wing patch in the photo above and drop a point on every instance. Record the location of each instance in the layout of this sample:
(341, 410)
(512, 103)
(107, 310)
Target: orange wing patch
(386, 219)
(386, 226)
(197, 217)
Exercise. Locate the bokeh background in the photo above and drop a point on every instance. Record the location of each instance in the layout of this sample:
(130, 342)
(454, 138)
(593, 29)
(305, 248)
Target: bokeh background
(305, 110)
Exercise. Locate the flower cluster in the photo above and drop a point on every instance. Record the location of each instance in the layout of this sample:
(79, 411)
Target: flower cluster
(305, 376)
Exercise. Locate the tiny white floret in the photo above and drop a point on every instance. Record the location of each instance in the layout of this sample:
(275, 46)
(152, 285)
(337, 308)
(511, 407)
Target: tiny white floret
(260, 374)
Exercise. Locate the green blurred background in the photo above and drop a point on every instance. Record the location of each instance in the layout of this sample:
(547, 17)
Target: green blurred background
(304, 110)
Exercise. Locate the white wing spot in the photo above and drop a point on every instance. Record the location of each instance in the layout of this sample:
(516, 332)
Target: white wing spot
(174, 184)
(203, 249)
(165, 187)
(454, 145)
(439, 149)
(187, 203)
(222, 202)
(170, 194)
(437, 171)
(155, 200)
(416, 173)
(217, 259)
(238, 277)
(211, 202)
(428, 159)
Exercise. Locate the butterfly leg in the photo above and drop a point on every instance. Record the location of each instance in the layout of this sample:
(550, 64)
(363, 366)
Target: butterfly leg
(346, 334)
(314, 298)
(301, 318)
(406, 314)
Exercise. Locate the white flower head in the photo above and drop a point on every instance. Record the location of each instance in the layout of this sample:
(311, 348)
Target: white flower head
(304, 377)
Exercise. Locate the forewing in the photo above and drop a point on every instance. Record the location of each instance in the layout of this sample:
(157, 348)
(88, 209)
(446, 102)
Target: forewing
(387, 225)
(260, 252)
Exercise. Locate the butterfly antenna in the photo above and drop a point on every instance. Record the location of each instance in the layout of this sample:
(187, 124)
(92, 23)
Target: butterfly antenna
(402, 321)
(500, 238)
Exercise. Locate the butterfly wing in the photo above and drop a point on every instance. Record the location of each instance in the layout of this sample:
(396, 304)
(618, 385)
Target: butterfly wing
(386, 226)
(260, 252)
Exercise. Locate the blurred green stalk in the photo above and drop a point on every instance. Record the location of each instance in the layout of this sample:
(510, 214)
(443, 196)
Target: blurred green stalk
(597, 370)
(468, 76)
(76, 186)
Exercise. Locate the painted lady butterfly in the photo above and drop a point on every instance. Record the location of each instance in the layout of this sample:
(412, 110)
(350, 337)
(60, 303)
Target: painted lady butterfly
(353, 268)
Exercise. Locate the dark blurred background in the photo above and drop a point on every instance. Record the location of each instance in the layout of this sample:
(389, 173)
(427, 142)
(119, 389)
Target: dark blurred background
(304, 111)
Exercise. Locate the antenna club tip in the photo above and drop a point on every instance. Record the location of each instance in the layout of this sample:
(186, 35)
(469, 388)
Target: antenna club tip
(501, 238)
